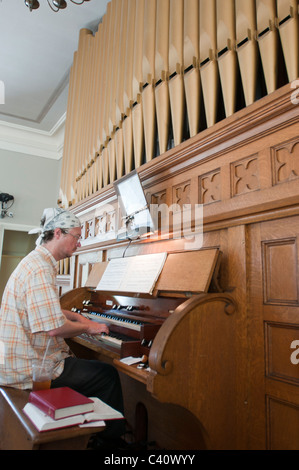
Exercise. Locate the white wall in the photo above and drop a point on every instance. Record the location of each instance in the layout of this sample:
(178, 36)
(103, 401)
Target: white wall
(33, 181)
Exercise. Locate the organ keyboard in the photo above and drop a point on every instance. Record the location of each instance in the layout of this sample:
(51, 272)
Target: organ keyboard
(184, 335)
(133, 323)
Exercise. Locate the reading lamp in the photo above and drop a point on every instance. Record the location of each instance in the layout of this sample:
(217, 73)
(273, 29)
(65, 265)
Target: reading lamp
(131, 197)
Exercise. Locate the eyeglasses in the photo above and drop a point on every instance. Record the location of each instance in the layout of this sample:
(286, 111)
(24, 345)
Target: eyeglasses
(77, 237)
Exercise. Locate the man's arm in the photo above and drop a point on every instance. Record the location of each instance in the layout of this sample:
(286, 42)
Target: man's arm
(76, 324)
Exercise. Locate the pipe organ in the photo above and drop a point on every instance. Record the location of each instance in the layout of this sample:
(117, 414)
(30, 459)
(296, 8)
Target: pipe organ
(157, 73)
(201, 98)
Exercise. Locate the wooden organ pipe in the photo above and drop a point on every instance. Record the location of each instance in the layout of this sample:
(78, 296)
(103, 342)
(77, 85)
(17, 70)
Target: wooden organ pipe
(119, 103)
(148, 79)
(145, 71)
(67, 191)
(105, 168)
(176, 69)
(246, 47)
(108, 70)
(64, 266)
(137, 106)
(288, 25)
(207, 59)
(89, 114)
(109, 152)
(106, 95)
(70, 166)
(81, 136)
(73, 152)
(93, 94)
(77, 124)
(102, 85)
(268, 41)
(85, 123)
(85, 106)
(227, 59)
(80, 97)
(119, 108)
(99, 51)
(119, 17)
(128, 94)
(162, 73)
(111, 159)
(191, 64)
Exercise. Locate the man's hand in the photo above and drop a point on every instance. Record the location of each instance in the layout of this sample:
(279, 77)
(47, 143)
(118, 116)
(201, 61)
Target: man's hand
(77, 324)
(94, 328)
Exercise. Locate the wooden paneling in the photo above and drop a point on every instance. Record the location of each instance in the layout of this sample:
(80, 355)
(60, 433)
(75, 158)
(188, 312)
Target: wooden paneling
(280, 290)
(278, 346)
(283, 425)
(244, 171)
(273, 328)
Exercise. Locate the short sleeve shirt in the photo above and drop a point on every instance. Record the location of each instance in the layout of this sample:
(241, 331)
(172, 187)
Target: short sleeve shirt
(30, 308)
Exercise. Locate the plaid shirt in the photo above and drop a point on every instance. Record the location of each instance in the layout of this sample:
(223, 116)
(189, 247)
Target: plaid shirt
(30, 307)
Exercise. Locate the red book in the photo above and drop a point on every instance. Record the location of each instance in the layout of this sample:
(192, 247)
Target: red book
(61, 402)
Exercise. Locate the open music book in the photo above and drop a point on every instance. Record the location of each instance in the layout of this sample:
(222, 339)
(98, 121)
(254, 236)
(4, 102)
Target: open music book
(133, 274)
(43, 422)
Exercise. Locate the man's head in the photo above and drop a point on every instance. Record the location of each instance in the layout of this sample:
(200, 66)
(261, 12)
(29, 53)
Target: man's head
(60, 230)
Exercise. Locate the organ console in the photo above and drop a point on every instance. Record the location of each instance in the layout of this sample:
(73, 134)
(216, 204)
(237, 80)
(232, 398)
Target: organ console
(133, 323)
(167, 334)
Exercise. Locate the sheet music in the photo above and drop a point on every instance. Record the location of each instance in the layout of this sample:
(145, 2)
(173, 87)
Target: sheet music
(133, 274)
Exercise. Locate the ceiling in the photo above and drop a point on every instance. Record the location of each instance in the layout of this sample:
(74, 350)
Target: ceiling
(35, 58)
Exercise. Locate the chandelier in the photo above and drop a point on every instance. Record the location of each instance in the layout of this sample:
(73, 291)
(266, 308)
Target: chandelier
(55, 5)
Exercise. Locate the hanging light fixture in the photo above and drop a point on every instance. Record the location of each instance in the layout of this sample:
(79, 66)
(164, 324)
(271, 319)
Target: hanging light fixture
(58, 4)
(32, 4)
(55, 5)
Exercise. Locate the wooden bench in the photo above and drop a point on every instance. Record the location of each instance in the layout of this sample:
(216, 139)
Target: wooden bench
(18, 433)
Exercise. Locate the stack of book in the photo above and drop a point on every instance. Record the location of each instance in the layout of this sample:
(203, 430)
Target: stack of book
(62, 407)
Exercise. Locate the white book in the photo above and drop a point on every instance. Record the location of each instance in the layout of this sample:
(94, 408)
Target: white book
(43, 422)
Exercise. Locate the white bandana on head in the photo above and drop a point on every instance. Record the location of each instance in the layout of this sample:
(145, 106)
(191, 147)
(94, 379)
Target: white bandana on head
(55, 218)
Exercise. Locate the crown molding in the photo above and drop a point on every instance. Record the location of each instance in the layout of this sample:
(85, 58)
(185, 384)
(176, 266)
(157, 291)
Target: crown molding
(34, 142)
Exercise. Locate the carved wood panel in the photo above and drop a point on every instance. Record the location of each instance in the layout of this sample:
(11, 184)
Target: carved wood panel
(285, 160)
(210, 187)
(181, 193)
(245, 176)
